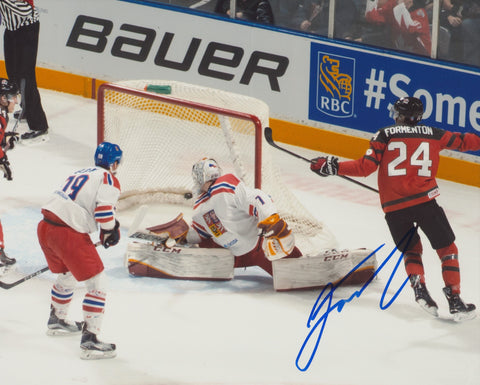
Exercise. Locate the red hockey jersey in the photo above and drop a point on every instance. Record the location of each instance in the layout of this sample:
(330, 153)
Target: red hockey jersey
(410, 30)
(407, 159)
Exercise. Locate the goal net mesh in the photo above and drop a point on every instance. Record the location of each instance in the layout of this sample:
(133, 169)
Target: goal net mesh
(163, 135)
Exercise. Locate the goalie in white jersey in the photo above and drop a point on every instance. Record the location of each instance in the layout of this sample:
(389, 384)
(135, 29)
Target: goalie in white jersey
(85, 201)
(230, 214)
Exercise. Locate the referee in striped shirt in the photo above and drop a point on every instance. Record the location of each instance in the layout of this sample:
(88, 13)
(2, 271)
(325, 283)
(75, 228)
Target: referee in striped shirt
(20, 45)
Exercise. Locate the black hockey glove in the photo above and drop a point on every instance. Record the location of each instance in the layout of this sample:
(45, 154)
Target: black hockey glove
(10, 139)
(325, 165)
(110, 237)
(5, 167)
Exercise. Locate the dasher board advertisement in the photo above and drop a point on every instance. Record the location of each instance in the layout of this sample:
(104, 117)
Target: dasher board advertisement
(356, 88)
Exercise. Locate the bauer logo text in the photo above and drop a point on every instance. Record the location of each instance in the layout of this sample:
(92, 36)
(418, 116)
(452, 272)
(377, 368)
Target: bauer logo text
(217, 60)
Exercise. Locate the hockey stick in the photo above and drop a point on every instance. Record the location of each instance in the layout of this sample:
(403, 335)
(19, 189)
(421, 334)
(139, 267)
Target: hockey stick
(268, 137)
(7, 286)
(22, 105)
(149, 237)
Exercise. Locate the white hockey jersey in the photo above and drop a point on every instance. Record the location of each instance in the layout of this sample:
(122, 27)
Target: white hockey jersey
(87, 198)
(229, 213)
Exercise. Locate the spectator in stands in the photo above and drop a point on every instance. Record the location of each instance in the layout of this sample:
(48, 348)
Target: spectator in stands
(253, 10)
(407, 20)
(285, 12)
(313, 17)
(462, 19)
(451, 19)
(372, 33)
(471, 33)
(20, 45)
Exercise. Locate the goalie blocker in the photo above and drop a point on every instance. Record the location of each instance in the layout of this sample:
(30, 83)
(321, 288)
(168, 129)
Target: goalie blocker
(152, 258)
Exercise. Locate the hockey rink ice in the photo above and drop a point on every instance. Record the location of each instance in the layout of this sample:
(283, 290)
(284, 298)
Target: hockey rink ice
(240, 331)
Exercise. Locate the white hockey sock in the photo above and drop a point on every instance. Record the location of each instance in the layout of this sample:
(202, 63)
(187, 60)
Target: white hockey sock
(62, 293)
(93, 309)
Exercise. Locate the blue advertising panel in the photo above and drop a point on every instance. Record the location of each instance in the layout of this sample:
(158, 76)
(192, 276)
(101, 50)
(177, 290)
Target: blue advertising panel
(356, 88)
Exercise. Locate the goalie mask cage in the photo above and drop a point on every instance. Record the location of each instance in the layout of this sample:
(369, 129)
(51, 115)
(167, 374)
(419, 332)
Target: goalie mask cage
(162, 136)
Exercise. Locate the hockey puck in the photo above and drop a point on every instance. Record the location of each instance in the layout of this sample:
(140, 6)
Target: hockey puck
(188, 195)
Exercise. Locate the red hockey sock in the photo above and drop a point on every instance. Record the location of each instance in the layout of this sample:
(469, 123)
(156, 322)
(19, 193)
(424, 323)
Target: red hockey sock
(413, 261)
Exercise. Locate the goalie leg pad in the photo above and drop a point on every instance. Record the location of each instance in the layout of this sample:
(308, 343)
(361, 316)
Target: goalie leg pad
(157, 260)
(328, 266)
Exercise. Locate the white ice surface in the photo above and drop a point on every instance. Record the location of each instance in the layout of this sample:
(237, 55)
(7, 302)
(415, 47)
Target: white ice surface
(241, 331)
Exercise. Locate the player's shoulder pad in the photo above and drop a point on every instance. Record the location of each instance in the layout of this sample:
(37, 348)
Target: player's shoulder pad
(110, 179)
(380, 135)
(228, 178)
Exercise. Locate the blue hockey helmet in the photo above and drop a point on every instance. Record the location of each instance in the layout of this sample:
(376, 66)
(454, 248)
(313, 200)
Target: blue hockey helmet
(107, 154)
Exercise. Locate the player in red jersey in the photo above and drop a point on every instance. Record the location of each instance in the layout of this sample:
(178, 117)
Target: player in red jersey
(407, 157)
(8, 99)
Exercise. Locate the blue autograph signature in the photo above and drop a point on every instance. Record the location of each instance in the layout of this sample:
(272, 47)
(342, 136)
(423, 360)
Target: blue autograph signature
(325, 298)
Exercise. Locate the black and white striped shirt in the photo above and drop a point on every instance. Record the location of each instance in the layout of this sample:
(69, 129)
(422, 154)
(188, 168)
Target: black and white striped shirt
(18, 13)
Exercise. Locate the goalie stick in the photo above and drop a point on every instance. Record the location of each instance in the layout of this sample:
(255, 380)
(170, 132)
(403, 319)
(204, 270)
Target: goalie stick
(135, 234)
(148, 237)
(132, 231)
(268, 137)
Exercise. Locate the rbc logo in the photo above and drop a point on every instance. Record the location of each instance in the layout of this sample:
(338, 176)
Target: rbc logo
(334, 93)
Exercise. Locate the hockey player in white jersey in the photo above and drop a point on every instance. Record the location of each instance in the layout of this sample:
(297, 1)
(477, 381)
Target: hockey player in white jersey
(230, 214)
(85, 201)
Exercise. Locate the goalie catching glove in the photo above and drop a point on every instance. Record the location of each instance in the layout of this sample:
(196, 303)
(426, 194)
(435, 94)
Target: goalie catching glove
(173, 232)
(278, 239)
(325, 165)
(110, 237)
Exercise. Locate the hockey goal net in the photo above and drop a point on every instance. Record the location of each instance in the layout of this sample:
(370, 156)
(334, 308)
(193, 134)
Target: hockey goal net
(163, 134)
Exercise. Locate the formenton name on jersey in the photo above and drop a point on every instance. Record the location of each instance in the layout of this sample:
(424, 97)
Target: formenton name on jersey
(417, 130)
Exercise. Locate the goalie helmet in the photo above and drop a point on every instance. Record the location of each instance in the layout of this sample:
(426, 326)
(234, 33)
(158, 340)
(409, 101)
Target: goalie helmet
(410, 108)
(107, 154)
(205, 171)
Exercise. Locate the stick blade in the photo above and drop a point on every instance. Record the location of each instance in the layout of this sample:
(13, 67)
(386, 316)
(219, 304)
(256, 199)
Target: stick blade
(268, 135)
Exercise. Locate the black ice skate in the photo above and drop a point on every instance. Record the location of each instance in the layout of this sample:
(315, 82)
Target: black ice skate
(34, 134)
(5, 260)
(35, 137)
(461, 311)
(422, 296)
(93, 349)
(61, 327)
